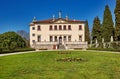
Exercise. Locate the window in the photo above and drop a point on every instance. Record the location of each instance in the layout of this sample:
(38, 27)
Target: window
(69, 38)
(55, 38)
(60, 27)
(69, 27)
(64, 27)
(65, 39)
(39, 38)
(33, 28)
(38, 28)
(80, 27)
(80, 38)
(50, 28)
(55, 27)
(51, 38)
(33, 41)
(33, 34)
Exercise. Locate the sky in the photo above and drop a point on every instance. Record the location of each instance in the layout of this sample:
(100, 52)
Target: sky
(17, 14)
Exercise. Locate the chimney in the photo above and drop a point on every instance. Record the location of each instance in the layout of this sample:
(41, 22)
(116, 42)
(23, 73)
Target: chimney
(67, 18)
(60, 14)
(34, 19)
(74, 20)
(53, 17)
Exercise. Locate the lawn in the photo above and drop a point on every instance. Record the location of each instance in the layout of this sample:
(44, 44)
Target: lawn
(53, 65)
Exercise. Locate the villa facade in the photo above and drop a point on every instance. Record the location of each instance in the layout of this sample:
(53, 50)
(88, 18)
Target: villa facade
(57, 33)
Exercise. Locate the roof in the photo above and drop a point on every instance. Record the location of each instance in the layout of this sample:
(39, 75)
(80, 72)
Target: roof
(57, 21)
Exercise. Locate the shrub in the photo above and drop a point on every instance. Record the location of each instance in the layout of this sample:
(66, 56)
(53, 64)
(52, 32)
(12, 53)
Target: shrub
(0, 49)
(12, 41)
(114, 45)
(105, 49)
(17, 50)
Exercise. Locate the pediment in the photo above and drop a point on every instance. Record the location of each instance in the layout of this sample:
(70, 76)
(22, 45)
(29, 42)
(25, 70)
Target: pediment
(60, 21)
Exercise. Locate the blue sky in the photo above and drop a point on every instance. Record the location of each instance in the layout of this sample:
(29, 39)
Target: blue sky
(17, 14)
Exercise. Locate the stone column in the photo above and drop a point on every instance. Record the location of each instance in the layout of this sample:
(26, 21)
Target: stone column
(91, 43)
(66, 38)
(96, 43)
(111, 39)
(102, 40)
(53, 38)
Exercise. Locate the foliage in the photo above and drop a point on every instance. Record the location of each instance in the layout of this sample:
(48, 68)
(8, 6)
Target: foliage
(1, 49)
(16, 50)
(103, 49)
(0, 44)
(87, 33)
(23, 34)
(96, 30)
(117, 20)
(43, 65)
(11, 41)
(107, 25)
(115, 45)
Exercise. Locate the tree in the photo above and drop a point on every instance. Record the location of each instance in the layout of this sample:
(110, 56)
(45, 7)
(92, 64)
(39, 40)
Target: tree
(24, 34)
(87, 33)
(0, 43)
(117, 20)
(96, 30)
(11, 41)
(107, 25)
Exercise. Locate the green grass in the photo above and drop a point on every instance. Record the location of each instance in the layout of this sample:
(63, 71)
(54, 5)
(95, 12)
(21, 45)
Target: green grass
(43, 65)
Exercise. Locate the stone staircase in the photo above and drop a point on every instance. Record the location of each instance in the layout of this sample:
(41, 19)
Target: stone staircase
(61, 47)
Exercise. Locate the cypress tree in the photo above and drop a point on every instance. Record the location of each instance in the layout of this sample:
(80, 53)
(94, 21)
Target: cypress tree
(117, 20)
(96, 30)
(87, 32)
(107, 25)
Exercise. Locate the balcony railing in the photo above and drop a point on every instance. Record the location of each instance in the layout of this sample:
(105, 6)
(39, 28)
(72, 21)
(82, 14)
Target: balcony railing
(71, 42)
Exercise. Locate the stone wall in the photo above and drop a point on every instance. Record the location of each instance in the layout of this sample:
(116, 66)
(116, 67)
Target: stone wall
(54, 45)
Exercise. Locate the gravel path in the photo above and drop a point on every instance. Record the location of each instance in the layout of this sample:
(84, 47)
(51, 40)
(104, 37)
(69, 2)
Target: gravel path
(17, 53)
(56, 50)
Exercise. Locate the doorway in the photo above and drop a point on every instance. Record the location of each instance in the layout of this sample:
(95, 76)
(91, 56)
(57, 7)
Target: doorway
(60, 40)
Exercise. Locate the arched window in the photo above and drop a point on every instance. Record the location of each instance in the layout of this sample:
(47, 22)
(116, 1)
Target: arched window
(33, 34)
(39, 38)
(33, 28)
(60, 27)
(69, 27)
(64, 27)
(50, 28)
(80, 38)
(38, 28)
(55, 38)
(51, 38)
(55, 27)
(65, 38)
(80, 27)
(69, 38)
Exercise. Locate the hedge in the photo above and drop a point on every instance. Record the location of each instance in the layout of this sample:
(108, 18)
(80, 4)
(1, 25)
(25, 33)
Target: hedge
(105, 49)
(3, 51)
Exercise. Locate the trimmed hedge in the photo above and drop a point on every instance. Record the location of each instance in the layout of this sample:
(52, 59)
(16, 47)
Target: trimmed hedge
(105, 49)
(2, 51)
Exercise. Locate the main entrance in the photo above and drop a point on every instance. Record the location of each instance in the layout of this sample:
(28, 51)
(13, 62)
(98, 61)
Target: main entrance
(60, 40)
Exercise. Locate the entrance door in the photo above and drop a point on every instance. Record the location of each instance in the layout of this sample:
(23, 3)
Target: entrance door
(60, 40)
(54, 47)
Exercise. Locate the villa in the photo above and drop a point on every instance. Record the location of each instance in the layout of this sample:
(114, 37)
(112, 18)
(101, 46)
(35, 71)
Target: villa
(57, 33)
